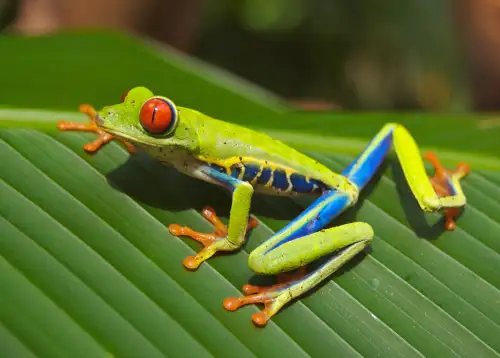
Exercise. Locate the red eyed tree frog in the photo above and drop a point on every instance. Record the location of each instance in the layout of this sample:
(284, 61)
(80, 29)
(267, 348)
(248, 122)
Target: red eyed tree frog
(243, 161)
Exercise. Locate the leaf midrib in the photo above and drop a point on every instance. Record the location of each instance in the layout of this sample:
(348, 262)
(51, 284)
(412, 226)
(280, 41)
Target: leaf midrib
(46, 120)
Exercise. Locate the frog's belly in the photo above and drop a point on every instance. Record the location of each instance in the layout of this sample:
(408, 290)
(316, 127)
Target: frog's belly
(267, 178)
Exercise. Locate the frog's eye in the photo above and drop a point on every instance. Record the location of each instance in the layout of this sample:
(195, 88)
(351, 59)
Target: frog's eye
(158, 115)
(124, 96)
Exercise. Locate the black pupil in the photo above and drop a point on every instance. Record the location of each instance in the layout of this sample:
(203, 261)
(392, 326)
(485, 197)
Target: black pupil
(154, 114)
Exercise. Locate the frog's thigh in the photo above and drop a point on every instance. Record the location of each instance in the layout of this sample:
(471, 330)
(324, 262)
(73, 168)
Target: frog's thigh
(295, 253)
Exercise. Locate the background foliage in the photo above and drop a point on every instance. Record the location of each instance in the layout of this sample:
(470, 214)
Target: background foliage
(363, 55)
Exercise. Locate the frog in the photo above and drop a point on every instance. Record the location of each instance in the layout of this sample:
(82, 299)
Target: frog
(245, 162)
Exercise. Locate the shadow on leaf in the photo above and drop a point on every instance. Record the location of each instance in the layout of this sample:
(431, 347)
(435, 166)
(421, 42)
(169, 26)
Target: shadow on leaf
(162, 186)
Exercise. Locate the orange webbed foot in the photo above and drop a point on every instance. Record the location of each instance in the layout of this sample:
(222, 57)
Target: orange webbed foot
(441, 182)
(103, 138)
(212, 242)
(259, 318)
(271, 296)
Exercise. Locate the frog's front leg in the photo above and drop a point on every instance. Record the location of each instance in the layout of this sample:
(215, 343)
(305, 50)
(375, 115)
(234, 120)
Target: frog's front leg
(103, 138)
(223, 238)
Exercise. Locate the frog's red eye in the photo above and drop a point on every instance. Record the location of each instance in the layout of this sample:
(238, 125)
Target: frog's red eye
(158, 115)
(124, 96)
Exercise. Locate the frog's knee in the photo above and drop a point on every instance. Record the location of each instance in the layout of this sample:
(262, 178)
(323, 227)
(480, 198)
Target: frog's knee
(257, 263)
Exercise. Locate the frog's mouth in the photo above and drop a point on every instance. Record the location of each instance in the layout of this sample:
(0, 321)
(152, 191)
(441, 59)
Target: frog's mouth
(116, 133)
(99, 121)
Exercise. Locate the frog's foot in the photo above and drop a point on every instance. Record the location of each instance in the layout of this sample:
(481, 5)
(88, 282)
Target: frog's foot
(443, 185)
(103, 138)
(273, 297)
(212, 242)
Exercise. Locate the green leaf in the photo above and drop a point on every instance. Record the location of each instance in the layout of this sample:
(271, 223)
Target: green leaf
(89, 268)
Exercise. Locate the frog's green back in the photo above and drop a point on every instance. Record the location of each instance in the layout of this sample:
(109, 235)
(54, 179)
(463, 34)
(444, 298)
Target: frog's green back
(222, 141)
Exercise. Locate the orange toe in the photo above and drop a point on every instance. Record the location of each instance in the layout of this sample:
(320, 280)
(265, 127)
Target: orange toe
(260, 318)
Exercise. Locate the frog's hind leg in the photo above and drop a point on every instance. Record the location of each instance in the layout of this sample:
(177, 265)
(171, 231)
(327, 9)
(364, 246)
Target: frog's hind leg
(346, 241)
(442, 192)
(103, 138)
(276, 296)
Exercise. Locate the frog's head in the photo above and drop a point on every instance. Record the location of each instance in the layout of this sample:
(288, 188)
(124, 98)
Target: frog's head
(146, 121)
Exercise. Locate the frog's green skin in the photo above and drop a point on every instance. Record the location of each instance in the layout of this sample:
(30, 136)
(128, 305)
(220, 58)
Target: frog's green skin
(243, 160)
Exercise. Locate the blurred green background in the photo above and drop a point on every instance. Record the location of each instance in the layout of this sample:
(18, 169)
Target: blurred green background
(414, 55)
